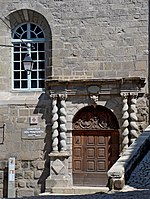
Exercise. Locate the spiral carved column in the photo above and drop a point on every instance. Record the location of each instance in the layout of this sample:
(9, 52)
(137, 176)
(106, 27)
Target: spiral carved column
(62, 118)
(54, 124)
(125, 123)
(133, 119)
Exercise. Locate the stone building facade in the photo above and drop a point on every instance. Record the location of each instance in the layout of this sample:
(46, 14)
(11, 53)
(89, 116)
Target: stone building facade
(86, 98)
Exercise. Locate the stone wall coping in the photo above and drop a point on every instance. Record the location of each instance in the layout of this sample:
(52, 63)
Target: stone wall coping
(130, 156)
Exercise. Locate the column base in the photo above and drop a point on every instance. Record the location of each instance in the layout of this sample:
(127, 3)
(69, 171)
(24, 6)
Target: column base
(58, 171)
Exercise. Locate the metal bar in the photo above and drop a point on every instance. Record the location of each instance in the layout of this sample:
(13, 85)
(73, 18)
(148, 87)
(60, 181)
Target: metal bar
(2, 127)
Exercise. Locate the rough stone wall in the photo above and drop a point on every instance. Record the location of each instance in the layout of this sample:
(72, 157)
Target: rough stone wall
(142, 113)
(90, 39)
(101, 39)
(32, 166)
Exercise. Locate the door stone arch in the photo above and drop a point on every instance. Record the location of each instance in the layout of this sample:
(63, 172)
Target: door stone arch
(95, 145)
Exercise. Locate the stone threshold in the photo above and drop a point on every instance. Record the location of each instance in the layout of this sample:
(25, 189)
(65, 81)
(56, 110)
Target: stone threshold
(76, 190)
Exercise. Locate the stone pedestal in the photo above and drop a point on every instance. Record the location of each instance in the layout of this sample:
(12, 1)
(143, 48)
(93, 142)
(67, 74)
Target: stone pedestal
(59, 177)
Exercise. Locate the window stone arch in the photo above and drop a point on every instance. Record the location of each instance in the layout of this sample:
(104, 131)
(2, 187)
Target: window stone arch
(30, 16)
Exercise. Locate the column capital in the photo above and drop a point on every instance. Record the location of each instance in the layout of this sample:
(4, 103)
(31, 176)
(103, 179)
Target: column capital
(134, 94)
(124, 94)
(54, 96)
(63, 96)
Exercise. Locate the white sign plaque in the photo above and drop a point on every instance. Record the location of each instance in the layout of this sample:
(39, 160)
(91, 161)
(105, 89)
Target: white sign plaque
(33, 133)
(11, 169)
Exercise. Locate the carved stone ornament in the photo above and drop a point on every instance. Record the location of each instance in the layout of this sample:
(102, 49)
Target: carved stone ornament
(94, 98)
(94, 118)
(93, 123)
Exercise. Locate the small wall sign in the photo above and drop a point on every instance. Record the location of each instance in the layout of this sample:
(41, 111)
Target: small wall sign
(32, 133)
(33, 120)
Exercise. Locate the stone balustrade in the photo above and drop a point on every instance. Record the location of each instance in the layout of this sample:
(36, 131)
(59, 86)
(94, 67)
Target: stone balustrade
(121, 170)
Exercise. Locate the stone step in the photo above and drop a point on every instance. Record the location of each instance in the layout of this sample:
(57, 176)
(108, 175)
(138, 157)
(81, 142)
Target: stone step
(126, 194)
(75, 190)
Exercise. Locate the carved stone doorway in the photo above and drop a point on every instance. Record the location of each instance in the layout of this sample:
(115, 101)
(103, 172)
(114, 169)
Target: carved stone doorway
(95, 145)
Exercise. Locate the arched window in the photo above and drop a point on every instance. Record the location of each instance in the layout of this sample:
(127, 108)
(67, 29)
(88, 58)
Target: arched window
(28, 38)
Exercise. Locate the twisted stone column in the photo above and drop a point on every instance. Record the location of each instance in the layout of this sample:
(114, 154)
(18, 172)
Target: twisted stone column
(62, 118)
(125, 123)
(133, 119)
(54, 124)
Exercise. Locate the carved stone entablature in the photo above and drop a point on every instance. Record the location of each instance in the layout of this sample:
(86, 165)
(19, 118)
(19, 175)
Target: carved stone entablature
(95, 118)
(95, 87)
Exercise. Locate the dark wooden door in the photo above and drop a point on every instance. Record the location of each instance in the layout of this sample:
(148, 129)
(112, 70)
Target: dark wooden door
(94, 152)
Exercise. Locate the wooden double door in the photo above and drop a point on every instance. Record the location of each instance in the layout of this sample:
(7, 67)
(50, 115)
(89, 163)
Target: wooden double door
(94, 152)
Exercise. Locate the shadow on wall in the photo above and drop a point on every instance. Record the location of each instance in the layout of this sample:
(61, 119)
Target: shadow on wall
(44, 107)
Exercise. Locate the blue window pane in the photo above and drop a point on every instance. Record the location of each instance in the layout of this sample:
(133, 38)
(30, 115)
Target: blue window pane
(41, 55)
(23, 74)
(24, 35)
(41, 83)
(42, 65)
(41, 46)
(24, 84)
(16, 84)
(34, 75)
(16, 56)
(41, 74)
(33, 84)
(16, 65)
(17, 75)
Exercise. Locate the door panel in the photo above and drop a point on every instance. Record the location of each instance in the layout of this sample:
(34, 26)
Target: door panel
(94, 152)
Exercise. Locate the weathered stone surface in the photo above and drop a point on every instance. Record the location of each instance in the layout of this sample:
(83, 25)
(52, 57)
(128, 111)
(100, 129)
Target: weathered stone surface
(22, 183)
(28, 175)
(37, 174)
(84, 40)
(25, 192)
(119, 184)
(40, 165)
(31, 184)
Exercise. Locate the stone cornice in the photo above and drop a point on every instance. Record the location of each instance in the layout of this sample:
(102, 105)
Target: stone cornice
(102, 86)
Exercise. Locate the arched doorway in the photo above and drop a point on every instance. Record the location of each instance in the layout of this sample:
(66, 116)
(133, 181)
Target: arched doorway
(95, 145)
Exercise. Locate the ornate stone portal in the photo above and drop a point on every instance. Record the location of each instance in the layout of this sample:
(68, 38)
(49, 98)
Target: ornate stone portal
(88, 92)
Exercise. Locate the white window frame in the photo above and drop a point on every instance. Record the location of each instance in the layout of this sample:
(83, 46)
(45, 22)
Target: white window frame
(29, 42)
